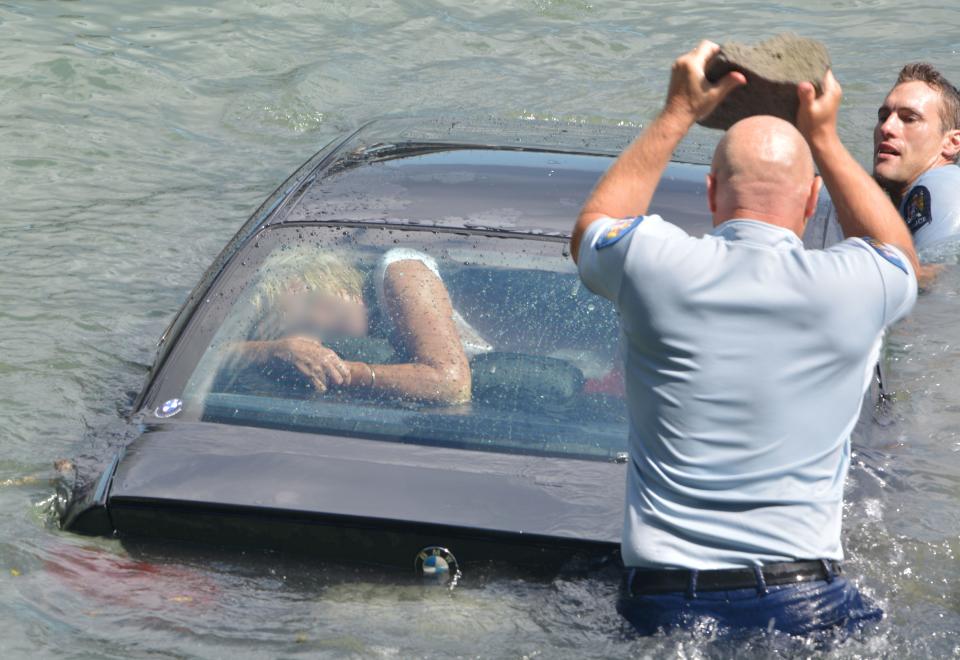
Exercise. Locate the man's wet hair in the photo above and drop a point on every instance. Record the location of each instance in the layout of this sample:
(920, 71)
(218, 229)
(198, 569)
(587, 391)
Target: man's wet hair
(949, 94)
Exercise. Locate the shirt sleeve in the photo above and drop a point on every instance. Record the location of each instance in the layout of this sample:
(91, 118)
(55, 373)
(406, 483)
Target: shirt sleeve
(392, 257)
(606, 244)
(895, 273)
(932, 207)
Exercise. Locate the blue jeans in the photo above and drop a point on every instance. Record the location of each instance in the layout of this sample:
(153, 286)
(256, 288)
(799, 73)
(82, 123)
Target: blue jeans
(796, 609)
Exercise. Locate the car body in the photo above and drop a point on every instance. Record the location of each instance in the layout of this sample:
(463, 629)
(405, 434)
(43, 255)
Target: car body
(525, 474)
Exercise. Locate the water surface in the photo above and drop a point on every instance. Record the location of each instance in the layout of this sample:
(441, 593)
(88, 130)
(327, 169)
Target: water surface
(136, 138)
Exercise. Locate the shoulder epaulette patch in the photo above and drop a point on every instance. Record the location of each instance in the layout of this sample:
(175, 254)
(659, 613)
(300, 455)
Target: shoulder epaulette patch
(884, 251)
(618, 230)
(917, 210)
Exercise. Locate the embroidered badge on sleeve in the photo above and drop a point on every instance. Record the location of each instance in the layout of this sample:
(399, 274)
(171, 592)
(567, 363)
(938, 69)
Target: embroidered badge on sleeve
(884, 251)
(618, 230)
(917, 211)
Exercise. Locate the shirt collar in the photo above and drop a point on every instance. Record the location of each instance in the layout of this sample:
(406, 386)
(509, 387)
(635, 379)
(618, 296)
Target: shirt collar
(758, 233)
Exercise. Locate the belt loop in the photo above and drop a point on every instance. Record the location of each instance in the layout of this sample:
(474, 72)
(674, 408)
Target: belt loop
(761, 581)
(828, 569)
(692, 584)
(631, 574)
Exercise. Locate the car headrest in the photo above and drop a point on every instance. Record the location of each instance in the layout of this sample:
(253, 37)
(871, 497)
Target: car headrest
(516, 380)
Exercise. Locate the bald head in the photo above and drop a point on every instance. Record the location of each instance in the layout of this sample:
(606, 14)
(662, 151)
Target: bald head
(763, 170)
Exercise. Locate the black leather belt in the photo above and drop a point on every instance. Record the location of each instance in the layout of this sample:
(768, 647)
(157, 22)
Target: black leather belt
(658, 581)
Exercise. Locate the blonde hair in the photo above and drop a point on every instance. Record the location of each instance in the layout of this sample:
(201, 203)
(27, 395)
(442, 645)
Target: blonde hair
(317, 272)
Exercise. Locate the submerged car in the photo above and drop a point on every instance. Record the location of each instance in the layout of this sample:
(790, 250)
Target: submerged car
(523, 462)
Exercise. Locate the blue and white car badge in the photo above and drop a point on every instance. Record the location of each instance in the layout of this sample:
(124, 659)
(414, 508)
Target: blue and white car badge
(437, 563)
(168, 409)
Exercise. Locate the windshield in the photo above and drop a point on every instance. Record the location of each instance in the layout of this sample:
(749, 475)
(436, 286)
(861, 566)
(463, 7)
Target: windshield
(415, 336)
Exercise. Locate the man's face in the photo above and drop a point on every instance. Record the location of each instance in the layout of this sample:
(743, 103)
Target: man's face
(908, 139)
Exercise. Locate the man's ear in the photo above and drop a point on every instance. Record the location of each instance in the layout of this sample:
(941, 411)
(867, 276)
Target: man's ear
(812, 198)
(951, 145)
(712, 192)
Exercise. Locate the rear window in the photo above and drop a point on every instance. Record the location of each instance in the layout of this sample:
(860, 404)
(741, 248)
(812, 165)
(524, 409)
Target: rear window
(414, 336)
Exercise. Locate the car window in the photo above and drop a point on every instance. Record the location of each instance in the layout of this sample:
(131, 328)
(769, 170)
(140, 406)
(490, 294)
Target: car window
(405, 307)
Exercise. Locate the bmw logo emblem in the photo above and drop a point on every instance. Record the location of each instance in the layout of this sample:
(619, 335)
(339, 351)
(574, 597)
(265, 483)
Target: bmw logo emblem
(169, 408)
(437, 563)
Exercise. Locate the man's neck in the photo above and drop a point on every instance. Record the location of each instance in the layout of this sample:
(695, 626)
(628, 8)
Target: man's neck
(896, 190)
(759, 216)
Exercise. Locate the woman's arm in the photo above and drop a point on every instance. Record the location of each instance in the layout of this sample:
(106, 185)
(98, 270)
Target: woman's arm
(422, 315)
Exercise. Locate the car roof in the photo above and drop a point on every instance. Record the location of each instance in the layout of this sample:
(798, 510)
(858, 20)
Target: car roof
(479, 177)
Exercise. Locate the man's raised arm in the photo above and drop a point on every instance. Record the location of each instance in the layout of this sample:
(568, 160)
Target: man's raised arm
(863, 209)
(627, 187)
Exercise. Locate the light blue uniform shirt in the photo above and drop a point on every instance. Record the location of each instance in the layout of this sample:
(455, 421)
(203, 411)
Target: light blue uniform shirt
(747, 358)
(931, 206)
(931, 209)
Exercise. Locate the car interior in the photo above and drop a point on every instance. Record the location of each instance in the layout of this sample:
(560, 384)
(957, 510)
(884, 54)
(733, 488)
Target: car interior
(542, 348)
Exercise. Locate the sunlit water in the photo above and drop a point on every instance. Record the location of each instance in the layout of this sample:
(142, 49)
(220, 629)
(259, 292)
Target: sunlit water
(136, 137)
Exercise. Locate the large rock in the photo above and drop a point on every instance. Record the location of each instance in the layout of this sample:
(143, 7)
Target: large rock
(773, 69)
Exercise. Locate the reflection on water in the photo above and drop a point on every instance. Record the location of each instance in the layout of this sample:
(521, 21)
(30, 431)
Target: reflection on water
(135, 140)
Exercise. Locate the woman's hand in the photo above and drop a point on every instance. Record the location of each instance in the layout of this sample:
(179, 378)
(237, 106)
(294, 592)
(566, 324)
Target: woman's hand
(319, 364)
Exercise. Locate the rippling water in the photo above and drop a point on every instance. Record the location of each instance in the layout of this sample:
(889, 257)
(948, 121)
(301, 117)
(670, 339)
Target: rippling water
(136, 137)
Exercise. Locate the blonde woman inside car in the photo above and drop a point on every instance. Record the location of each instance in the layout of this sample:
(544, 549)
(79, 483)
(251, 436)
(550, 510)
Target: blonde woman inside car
(303, 297)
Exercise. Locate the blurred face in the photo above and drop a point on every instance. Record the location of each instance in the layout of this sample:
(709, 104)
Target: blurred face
(322, 315)
(909, 138)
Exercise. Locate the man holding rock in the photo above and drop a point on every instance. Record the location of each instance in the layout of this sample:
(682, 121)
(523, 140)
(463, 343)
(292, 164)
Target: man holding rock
(747, 358)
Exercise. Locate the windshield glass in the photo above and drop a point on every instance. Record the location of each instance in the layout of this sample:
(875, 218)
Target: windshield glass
(415, 336)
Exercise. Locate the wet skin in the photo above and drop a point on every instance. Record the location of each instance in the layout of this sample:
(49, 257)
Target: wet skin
(909, 137)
